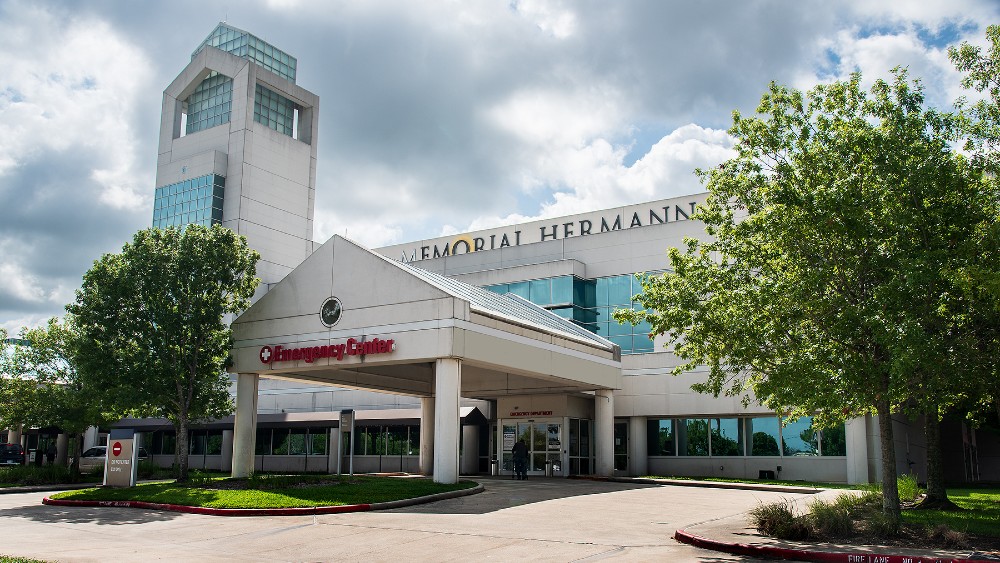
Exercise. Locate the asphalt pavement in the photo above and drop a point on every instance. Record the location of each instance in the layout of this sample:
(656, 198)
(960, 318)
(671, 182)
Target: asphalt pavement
(538, 520)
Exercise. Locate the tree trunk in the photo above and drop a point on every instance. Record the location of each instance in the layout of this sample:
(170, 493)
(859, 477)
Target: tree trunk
(182, 449)
(75, 442)
(935, 472)
(937, 494)
(890, 491)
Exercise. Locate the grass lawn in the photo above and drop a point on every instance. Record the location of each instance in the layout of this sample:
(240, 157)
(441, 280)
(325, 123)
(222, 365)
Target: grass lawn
(981, 515)
(274, 491)
(9, 559)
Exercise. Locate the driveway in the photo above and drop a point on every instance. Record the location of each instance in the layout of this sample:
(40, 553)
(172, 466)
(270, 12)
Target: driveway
(537, 520)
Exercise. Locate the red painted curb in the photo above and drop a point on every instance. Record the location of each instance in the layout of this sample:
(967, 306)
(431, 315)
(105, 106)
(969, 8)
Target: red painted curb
(765, 551)
(310, 510)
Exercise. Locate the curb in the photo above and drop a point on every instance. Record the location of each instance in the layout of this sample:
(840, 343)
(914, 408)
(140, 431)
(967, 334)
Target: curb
(303, 511)
(769, 552)
(706, 484)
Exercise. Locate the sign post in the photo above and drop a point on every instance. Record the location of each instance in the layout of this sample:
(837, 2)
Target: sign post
(119, 465)
(347, 421)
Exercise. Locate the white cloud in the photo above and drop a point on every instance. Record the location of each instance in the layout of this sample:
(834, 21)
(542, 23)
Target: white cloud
(71, 84)
(598, 177)
(565, 116)
(551, 17)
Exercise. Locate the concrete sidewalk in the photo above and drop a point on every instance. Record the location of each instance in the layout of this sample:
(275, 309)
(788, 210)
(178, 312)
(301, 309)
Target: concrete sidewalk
(540, 519)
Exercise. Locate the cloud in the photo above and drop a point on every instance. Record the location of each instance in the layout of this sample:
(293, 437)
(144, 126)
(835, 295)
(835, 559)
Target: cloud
(435, 116)
(599, 177)
(67, 83)
(71, 184)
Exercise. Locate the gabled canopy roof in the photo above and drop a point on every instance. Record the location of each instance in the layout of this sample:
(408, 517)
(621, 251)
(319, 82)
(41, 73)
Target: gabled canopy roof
(506, 344)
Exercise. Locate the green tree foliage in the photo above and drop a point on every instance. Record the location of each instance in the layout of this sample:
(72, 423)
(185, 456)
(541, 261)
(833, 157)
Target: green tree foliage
(980, 282)
(154, 326)
(40, 386)
(824, 287)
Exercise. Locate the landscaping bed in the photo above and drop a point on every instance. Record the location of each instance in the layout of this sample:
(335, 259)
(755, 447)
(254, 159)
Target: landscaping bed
(857, 518)
(272, 491)
(29, 475)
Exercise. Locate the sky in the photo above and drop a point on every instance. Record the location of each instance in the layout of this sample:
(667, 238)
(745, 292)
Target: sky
(436, 117)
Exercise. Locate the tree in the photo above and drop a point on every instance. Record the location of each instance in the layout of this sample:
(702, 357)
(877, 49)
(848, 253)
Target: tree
(980, 283)
(820, 289)
(40, 386)
(153, 326)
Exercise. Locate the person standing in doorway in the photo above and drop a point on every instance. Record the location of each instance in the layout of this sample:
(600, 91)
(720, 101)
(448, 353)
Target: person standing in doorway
(520, 453)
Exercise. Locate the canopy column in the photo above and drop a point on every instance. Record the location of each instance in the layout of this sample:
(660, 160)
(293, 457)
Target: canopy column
(245, 428)
(604, 432)
(447, 386)
(426, 435)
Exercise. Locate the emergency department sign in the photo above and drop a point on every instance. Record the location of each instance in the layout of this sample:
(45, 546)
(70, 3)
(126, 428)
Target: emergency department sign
(119, 466)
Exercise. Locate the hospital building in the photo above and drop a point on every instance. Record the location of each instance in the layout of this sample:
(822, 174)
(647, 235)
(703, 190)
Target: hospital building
(435, 356)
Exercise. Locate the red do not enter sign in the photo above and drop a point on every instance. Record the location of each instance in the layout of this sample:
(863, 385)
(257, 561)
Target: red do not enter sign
(116, 449)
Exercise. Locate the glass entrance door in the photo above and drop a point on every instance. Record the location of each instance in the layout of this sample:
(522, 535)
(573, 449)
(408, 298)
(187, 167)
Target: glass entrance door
(621, 445)
(544, 441)
(580, 431)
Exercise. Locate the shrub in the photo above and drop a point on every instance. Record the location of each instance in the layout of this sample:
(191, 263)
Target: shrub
(945, 537)
(867, 500)
(881, 525)
(909, 490)
(777, 520)
(147, 469)
(198, 478)
(34, 475)
(832, 519)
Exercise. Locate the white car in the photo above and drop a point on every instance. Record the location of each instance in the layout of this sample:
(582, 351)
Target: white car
(94, 458)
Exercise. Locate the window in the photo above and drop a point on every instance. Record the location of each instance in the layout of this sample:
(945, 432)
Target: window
(799, 438)
(562, 290)
(160, 442)
(692, 436)
(197, 200)
(263, 445)
(210, 104)
(833, 441)
(213, 442)
(318, 439)
(660, 437)
(540, 292)
(274, 111)
(727, 437)
(520, 289)
(297, 441)
(764, 435)
(387, 440)
(196, 443)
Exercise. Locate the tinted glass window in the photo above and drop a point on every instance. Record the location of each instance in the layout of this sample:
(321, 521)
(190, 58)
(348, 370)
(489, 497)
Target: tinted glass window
(562, 289)
(764, 436)
(727, 439)
(834, 440)
(660, 436)
(799, 438)
(692, 436)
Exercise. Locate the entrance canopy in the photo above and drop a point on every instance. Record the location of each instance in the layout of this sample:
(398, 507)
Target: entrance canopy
(353, 318)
